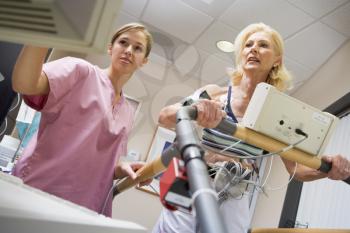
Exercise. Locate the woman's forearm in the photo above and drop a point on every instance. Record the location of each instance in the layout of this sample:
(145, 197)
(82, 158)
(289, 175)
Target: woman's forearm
(27, 76)
(308, 174)
(303, 173)
(167, 116)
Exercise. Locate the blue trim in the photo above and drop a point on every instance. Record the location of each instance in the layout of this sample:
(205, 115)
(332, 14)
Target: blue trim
(228, 108)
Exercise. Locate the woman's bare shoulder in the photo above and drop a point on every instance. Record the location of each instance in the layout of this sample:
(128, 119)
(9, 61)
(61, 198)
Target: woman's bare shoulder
(214, 90)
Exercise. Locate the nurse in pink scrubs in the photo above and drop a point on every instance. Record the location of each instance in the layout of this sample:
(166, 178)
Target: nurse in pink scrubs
(85, 119)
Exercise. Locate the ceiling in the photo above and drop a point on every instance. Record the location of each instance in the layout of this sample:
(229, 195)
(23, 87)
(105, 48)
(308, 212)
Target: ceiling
(186, 31)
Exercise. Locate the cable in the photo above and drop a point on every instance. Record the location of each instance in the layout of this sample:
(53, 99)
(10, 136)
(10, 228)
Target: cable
(106, 200)
(239, 168)
(229, 176)
(17, 103)
(258, 156)
(268, 173)
(231, 146)
(234, 153)
(4, 130)
(225, 193)
(261, 186)
(286, 184)
(300, 132)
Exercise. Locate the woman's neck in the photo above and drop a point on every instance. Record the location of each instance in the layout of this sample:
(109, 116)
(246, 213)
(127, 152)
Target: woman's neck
(248, 85)
(118, 80)
(243, 93)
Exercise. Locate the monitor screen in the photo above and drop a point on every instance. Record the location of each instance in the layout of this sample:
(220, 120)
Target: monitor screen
(9, 53)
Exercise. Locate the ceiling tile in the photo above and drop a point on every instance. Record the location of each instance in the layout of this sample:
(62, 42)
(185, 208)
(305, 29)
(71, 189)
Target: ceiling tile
(167, 93)
(176, 18)
(314, 45)
(134, 7)
(124, 18)
(155, 67)
(213, 68)
(185, 33)
(187, 61)
(163, 44)
(136, 87)
(168, 43)
(317, 8)
(298, 71)
(276, 13)
(339, 20)
(295, 88)
(213, 8)
(217, 31)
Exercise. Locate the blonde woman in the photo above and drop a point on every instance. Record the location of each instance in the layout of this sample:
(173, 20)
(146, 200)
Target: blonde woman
(259, 58)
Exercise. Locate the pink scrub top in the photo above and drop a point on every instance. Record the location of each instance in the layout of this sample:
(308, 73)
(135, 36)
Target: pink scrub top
(81, 135)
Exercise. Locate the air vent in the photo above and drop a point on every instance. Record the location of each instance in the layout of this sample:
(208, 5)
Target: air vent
(25, 15)
(79, 25)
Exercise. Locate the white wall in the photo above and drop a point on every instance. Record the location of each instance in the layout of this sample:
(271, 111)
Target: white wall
(330, 83)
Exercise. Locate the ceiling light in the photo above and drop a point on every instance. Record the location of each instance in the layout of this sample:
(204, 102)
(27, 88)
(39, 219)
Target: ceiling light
(225, 46)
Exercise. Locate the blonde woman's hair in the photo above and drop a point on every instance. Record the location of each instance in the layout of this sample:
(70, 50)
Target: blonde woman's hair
(279, 75)
(138, 27)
